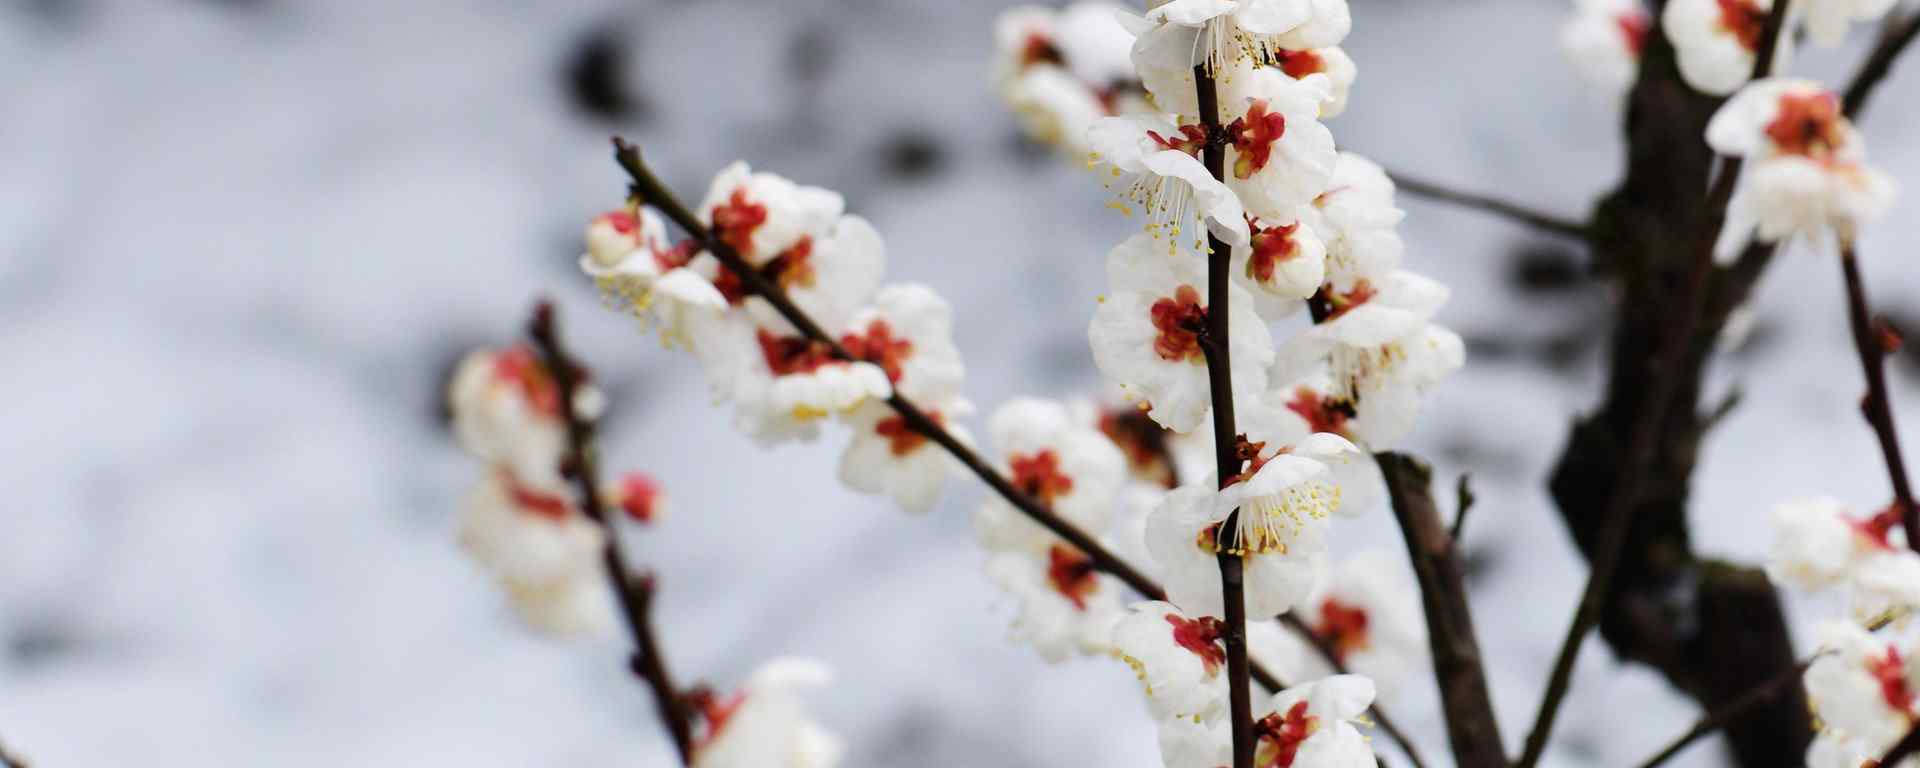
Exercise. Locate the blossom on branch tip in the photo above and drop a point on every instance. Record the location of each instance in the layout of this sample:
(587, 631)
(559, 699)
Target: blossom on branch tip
(1805, 170)
(1062, 69)
(1147, 335)
(1227, 37)
(1604, 39)
(765, 724)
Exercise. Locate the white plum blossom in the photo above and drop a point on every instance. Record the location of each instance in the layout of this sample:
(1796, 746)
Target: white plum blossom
(1816, 544)
(1369, 613)
(885, 456)
(1886, 587)
(1331, 62)
(1805, 167)
(761, 215)
(1058, 462)
(1717, 41)
(629, 258)
(1156, 166)
(1066, 607)
(1279, 156)
(1146, 335)
(1358, 221)
(1062, 69)
(1861, 686)
(1183, 534)
(1180, 660)
(1827, 20)
(506, 410)
(1282, 263)
(1053, 107)
(1309, 725)
(541, 549)
(1223, 35)
(765, 724)
(908, 332)
(1604, 39)
(787, 384)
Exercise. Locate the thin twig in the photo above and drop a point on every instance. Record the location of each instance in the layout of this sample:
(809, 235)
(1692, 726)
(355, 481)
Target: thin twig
(1625, 498)
(1542, 221)
(1464, 498)
(1726, 713)
(1872, 343)
(9, 759)
(635, 594)
(1906, 747)
(1226, 450)
(648, 189)
(1471, 726)
(1894, 39)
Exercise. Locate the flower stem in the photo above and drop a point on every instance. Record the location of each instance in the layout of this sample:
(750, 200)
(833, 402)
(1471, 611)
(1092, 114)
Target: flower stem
(1877, 407)
(635, 594)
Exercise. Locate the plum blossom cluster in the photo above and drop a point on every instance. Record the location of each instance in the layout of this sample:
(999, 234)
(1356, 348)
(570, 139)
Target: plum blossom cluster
(1715, 41)
(1862, 683)
(1061, 69)
(1302, 225)
(896, 339)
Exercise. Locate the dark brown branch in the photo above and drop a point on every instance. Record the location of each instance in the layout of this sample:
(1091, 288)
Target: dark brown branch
(635, 594)
(649, 190)
(1872, 342)
(1463, 495)
(9, 759)
(1907, 746)
(1544, 222)
(1471, 726)
(1731, 711)
(1226, 451)
(1643, 438)
(1894, 39)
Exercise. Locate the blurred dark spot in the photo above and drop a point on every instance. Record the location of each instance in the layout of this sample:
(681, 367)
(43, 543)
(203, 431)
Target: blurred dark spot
(1480, 560)
(1760, 338)
(1027, 153)
(596, 77)
(912, 154)
(810, 55)
(1558, 352)
(42, 642)
(59, 12)
(1542, 267)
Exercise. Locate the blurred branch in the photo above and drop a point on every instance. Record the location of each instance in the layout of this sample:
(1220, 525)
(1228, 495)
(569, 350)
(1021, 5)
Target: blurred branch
(1906, 747)
(1874, 341)
(1645, 433)
(1897, 33)
(1542, 221)
(650, 191)
(635, 593)
(1471, 725)
(1734, 709)
(9, 759)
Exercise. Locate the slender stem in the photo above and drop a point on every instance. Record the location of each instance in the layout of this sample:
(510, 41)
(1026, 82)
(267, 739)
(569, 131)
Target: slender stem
(1733, 710)
(1225, 444)
(1471, 726)
(635, 594)
(1908, 746)
(1642, 438)
(1877, 407)
(649, 189)
(1897, 34)
(1542, 221)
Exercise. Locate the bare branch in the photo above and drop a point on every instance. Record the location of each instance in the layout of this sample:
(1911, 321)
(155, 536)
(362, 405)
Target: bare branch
(1645, 432)
(1541, 221)
(1463, 493)
(1896, 35)
(635, 594)
(1471, 726)
(1874, 342)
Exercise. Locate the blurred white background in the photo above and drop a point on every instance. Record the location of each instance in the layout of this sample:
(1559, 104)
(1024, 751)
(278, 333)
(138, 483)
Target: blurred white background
(241, 241)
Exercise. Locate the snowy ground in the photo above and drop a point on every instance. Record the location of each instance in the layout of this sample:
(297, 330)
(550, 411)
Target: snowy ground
(240, 240)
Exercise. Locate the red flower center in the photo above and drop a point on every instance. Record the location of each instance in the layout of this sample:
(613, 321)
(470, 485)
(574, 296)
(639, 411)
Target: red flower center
(1039, 49)
(1071, 574)
(1892, 676)
(1190, 139)
(1634, 26)
(1282, 734)
(1808, 124)
(1340, 303)
(1344, 626)
(1744, 20)
(1253, 136)
(639, 497)
(793, 267)
(901, 439)
(1179, 319)
(676, 256)
(1299, 64)
(716, 712)
(1876, 529)
(735, 220)
(621, 221)
(518, 366)
(537, 503)
(1323, 414)
(1271, 245)
(880, 347)
(787, 355)
(1038, 476)
(1201, 636)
